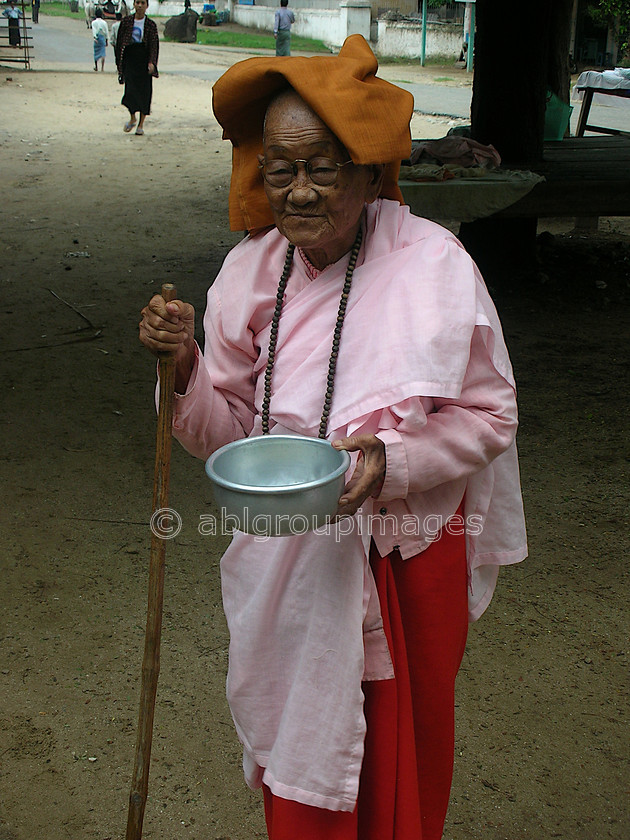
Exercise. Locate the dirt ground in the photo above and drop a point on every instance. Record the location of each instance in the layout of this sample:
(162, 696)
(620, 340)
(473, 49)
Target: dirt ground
(94, 221)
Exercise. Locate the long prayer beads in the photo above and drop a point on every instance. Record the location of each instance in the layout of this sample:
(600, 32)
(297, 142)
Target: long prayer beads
(332, 362)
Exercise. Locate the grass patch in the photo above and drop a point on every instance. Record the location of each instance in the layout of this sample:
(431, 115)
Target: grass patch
(216, 37)
(440, 60)
(443, 79)
(444, 61)
(59, 9)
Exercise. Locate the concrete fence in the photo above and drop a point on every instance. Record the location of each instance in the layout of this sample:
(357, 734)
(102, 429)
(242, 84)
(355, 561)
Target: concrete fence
(332, 26)
(404, 39)
(170, 8)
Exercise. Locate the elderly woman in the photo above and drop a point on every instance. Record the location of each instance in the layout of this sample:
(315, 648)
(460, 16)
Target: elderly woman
(345, 643)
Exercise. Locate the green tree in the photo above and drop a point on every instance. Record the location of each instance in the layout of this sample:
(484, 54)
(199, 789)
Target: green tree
(616, 14)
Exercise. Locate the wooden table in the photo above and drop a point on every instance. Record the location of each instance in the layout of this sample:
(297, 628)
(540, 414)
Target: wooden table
(584, 177)
(583, 125)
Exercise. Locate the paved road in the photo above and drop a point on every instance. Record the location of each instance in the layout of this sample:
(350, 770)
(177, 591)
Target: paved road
(66, 44)
(62, 44)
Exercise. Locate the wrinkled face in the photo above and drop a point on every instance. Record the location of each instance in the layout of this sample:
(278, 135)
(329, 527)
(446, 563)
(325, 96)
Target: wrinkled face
(323, 220)
(140, 7)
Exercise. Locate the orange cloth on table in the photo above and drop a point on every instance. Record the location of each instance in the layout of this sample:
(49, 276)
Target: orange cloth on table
(368, 115)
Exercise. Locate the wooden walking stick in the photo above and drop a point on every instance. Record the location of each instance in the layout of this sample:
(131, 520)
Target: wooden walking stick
(151, 660)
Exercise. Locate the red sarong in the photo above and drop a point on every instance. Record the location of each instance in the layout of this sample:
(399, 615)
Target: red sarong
(408, 764)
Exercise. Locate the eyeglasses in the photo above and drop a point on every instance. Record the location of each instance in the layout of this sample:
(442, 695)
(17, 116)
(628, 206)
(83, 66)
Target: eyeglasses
(321, 171)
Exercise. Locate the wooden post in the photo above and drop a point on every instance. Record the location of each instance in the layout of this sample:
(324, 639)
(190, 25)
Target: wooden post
(151, 660)
(423, 43)
(584, 111)
(470, 52)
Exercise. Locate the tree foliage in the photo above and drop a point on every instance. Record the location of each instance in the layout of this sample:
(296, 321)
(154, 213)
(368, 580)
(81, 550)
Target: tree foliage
(616, 14)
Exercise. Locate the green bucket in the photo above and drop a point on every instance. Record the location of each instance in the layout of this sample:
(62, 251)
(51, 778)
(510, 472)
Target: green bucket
(557, 115)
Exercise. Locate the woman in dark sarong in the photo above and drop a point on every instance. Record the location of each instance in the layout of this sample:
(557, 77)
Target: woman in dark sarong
(137, 47)
(13, 14)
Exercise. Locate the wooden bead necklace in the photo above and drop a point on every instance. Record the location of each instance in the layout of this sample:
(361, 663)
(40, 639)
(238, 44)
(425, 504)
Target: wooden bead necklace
(332, 362)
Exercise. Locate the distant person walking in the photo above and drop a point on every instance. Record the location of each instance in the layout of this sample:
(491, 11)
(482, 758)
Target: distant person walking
(282, 28)
(137, 48)
(13, 14)
(100, 32)
(35, 13)
(114, 36)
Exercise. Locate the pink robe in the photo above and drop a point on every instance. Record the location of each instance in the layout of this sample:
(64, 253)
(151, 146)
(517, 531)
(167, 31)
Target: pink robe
(423, 365)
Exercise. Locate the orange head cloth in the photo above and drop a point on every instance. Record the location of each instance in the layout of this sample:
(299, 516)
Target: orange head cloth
(368, 115)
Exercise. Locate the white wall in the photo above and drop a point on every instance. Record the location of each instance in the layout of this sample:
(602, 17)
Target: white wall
(170, 8)
(404, 39)
(332, 26)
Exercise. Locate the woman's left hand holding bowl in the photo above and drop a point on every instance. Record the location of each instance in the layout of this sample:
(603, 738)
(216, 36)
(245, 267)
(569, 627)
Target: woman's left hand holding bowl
(369, 474)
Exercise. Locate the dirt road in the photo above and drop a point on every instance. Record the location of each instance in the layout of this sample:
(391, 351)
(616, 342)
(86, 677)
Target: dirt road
(94, 221)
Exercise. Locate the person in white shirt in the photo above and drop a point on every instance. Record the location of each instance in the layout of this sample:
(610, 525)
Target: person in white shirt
(100, 32)
(114, 34)
(13, 14)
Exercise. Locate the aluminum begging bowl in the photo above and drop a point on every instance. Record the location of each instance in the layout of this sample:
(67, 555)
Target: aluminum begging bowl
(276, 485)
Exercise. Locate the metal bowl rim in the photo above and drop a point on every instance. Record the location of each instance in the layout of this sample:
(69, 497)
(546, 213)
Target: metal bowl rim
(281, 489)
